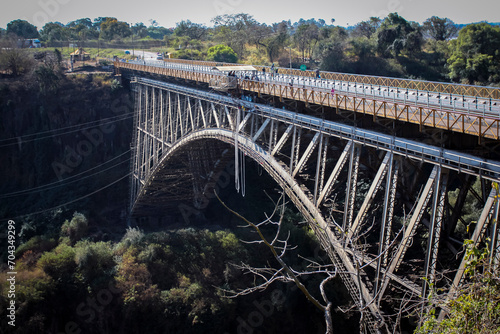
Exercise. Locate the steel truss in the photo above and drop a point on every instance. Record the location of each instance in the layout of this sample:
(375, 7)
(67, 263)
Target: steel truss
(181, 140)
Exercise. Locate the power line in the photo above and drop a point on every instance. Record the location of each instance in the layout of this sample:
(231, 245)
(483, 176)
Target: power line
(118, 119)
(72, 201)
(69, 178)
(63, 128)
(49, 186)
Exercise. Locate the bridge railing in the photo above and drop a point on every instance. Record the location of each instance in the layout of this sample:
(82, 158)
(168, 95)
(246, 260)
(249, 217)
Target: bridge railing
(459, 116)
(345, 84)
(421, 85)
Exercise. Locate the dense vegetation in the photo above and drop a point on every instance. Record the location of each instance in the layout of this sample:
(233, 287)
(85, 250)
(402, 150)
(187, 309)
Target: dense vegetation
(476, 308)
(84, 271)
(436, 50)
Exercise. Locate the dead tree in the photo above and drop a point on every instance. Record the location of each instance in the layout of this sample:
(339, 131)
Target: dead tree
(284, 273)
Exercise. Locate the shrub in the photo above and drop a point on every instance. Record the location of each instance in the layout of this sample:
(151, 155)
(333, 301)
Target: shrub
(95, 261)
(222, 53)
(76, 228)
(58, 263)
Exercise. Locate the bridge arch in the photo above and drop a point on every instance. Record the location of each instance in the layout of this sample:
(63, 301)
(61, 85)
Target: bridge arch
(177, 127)
(280, 175)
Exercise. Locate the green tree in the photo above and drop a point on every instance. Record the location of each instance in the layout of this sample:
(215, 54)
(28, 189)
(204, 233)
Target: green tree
(100, 20)
(396, 35)
(440, 29)
(140, 30)
(54, 31)
(156, 32)
(367, 28)
(271, 38)
(95, 261)
(86, 22)
(222, 53)
(306, 36)
(76, 228)
(476, 307)
(112, 28)
(59, 263)
(331, 50)
(22, 28)
(47, 78)
(190, 29)
(234, 30)
(16, 61)
(475, 56)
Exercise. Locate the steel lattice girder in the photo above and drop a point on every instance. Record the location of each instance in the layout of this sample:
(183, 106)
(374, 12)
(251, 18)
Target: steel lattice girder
(268, 134)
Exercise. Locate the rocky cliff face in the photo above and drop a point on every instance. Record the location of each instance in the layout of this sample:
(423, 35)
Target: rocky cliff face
(60, 145)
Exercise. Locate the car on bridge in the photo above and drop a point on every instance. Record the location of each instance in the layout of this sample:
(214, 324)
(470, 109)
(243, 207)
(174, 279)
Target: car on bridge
(230, 81)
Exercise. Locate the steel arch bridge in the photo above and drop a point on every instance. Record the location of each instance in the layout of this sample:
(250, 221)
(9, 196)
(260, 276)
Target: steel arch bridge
(379, 205)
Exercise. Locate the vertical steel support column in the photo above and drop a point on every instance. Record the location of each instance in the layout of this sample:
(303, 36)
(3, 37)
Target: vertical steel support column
(170, 120)
(297, 147)
(435, 231)
(146, 151)
(153, 128)
(164, 124)
(271, 130)
(388, 210)
(292, 153)
(318, 169)
(495, 239)
(180, 121)
(410, 229)
(352, 182)
(323, 166)
(275, 135)
(253, 125)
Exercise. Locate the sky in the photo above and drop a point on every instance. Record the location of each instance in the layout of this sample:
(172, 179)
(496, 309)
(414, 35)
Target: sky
(167, 12)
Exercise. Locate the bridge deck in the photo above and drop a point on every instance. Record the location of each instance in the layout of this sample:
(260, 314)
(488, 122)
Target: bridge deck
(451, 111)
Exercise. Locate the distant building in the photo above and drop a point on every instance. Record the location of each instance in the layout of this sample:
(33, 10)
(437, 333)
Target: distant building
(80, 55)
(29, 43)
